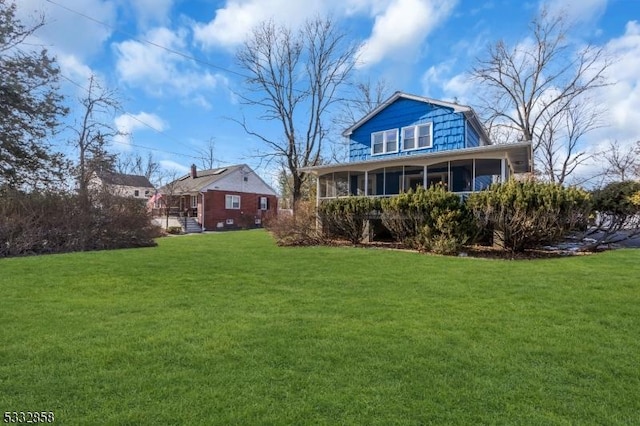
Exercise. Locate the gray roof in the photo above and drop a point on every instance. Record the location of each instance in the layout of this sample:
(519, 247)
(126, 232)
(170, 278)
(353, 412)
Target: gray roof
(519, 155)
(125, 180)
(187, 184)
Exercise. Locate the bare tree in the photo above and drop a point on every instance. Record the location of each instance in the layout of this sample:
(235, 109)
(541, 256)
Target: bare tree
(558, 152)
(136, 164)
(364, 97)
(538, 90)
(168, 191)
(207, 155)
(294, 78)
(620, 163)
(93, 132)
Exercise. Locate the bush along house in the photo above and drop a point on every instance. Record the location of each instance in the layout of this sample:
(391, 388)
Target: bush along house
(410, 141)
(217, 199)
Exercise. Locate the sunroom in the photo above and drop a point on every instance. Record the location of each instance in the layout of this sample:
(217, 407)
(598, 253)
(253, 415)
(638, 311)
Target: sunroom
(461, 171)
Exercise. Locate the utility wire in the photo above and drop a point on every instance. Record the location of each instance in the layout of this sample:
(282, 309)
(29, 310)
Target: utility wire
(173, 51)
(122, 110)
(149, 42)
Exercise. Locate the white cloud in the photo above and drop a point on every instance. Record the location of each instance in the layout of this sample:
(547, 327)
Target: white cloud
(150, 12)
(160, 71)
(66, 31)
(623, 98)
(127, 124)
(576, 10)
(437, 82)
(234, 22)
(402, 28)
(172, 166)
(74, 69)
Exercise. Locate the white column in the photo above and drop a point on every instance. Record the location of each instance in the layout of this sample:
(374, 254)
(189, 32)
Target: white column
(318, 190)
(473, 177)
(384, 181)
(366, 183)
(503, 170)
(424, 177)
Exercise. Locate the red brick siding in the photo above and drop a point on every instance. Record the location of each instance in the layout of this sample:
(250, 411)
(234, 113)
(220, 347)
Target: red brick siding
(215, 211)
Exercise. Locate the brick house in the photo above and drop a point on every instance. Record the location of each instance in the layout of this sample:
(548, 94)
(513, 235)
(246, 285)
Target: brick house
(216, 199)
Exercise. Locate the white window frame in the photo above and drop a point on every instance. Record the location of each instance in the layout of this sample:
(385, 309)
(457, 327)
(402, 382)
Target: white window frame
(416, 136)
(264, 203)
(230, 202)
(404, 138)
(385, 141)
(194, 201)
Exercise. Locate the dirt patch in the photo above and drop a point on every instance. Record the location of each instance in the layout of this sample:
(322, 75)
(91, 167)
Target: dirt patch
(479, 251)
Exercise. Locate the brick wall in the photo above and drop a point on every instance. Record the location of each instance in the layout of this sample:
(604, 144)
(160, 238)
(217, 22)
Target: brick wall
(217, 216)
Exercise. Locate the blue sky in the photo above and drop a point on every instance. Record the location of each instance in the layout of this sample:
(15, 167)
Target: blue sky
(174, 105)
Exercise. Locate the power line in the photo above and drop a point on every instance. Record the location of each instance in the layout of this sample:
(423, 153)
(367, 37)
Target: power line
(173, 51)
(149, 42)
(120, 109)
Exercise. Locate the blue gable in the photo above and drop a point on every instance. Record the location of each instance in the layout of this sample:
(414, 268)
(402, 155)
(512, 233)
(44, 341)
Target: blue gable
(450, 129)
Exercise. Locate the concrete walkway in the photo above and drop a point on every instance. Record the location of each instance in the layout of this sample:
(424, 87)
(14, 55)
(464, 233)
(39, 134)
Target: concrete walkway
(162, 221)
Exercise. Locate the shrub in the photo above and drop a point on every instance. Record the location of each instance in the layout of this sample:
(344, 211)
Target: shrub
(429, 219)
(54, 222)
(297, 229)
(174, 230)
(528, 214)
(616, 214)
(348, 217)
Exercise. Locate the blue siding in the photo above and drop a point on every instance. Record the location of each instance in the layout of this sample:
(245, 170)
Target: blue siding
(472, 137)
(448, 128)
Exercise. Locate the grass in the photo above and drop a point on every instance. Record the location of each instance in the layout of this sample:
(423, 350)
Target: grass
(230, 329)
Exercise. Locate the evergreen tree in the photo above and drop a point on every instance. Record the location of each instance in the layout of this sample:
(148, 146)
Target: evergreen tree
(30, 107)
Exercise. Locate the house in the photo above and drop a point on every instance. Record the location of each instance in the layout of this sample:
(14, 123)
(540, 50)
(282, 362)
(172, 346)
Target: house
(410, 141)
(224, 198)
(132, 186)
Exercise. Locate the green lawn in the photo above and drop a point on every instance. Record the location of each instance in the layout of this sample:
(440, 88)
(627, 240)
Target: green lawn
(231, 329)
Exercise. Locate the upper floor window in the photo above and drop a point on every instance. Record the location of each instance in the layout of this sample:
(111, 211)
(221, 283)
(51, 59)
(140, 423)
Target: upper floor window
(384, 142)
(232, 202)
(416, 137)
(264, 203)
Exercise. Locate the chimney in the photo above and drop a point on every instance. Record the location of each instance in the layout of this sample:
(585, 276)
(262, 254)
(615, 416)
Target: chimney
(194, 173)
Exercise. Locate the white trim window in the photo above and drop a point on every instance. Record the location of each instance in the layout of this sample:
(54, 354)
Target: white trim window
(264, 203)
(384, 142)
(232, 202)
(194, 201)
(417, 137)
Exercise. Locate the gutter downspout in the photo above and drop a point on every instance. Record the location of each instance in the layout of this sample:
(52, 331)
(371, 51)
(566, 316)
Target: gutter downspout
(202, 224)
